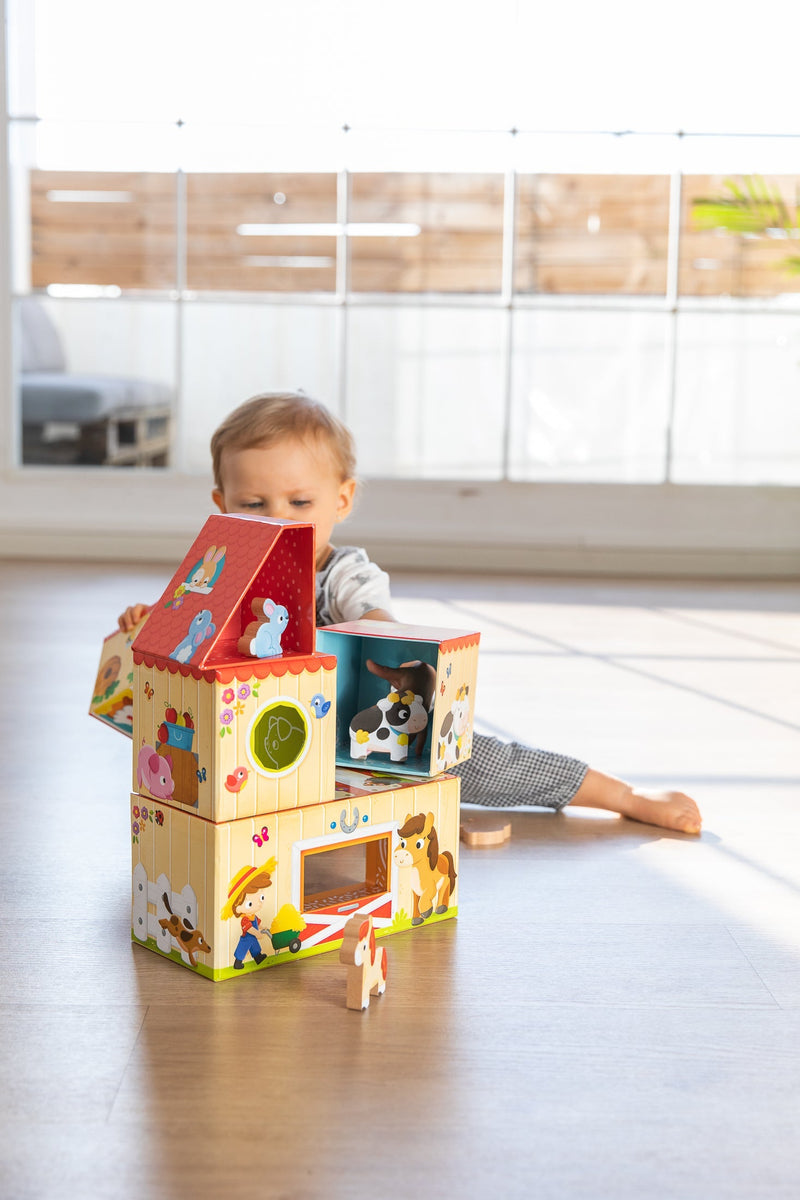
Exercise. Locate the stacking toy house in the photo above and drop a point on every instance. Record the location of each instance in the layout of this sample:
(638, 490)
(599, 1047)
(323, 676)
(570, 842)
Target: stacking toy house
(286, 780)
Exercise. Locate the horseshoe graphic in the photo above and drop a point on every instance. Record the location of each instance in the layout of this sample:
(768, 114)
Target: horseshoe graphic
(345, 828)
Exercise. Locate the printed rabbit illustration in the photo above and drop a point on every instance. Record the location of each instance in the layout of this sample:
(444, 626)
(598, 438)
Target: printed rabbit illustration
(203, 575)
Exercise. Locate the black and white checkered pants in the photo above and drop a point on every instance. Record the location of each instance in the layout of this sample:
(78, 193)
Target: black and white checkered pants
(505, 774)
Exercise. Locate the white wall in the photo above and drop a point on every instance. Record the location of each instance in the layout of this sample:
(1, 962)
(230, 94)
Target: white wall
(595, 529)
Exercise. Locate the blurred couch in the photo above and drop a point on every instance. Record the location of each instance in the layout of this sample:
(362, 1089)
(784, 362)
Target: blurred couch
(80, 418)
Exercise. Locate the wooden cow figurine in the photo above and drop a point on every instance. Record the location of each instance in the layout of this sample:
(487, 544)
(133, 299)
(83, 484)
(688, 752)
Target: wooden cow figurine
(366, 962)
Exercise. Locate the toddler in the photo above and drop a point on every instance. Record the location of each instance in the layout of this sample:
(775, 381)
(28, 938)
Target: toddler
(284, 455)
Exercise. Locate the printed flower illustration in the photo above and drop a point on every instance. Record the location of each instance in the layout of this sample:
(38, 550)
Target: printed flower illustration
(226, 716)
(228, 695)
(136, 811)
(238, 708)
(144, 814)
(135, 828)
(244, 691)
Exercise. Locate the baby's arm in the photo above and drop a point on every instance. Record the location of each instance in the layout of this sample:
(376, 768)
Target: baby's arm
(378, 614)
(132, 616)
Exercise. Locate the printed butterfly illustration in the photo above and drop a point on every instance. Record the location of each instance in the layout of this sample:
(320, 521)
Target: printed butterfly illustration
(148, 691)
(449, 670)
(261, 838)
(201, 775)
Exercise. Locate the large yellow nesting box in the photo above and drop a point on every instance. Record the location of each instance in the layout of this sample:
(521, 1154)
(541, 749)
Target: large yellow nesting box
(236, 896)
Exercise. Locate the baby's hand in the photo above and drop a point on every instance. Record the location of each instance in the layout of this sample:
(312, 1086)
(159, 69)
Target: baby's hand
(132, 616)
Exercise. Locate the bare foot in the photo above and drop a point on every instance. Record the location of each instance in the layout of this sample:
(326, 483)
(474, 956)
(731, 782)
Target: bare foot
(670, 810)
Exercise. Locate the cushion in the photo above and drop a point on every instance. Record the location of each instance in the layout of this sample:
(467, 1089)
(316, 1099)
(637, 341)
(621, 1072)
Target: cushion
(50, 396)
(41, 345)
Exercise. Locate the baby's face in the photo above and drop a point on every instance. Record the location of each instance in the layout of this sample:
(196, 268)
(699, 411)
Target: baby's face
(289, 480)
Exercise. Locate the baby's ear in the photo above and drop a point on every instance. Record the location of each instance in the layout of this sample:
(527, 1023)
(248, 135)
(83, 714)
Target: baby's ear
(347, 492)
(219, 499)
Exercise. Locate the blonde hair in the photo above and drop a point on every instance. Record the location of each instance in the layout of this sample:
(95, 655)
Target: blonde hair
(272, 416)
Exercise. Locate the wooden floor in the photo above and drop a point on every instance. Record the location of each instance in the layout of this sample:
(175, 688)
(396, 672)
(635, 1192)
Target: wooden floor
(615, 1013)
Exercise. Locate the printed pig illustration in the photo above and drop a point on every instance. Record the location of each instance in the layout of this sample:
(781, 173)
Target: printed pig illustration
(155, 771)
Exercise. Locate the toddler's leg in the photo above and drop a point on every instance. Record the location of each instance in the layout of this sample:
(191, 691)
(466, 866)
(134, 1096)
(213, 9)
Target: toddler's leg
(504, 774)
(670, 810)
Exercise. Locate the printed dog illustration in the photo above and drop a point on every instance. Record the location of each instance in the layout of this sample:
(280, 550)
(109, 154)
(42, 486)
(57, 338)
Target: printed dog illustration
(189, 939)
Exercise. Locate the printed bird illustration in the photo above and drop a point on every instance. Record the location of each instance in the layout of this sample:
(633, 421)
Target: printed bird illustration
(320, 705)
(236, 781)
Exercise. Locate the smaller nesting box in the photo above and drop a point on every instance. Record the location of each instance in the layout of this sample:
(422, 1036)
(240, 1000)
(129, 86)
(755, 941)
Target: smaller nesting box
(216, 730)
(405, 695)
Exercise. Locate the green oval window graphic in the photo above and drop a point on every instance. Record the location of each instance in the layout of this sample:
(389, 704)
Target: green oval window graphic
(279, 737)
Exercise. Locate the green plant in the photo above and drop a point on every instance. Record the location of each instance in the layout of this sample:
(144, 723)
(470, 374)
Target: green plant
(751, 209)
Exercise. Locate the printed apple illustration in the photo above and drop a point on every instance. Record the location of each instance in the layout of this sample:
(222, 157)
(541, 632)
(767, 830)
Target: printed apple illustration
(163, 732)
(171, 715)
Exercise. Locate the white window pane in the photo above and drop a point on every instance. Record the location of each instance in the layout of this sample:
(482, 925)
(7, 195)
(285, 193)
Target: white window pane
(426, 392)
(233, 351)
(420, 66)
(94, 60)
(590, 395)
(737, 416)
(612, 69)
(354, 61)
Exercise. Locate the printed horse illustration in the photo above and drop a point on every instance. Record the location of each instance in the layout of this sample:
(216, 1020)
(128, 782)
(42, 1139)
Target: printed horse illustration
(366, 964)
(433, 875)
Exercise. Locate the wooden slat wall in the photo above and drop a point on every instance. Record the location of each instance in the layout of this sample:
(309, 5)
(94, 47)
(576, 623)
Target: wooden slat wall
(576, 234)
(719, 264)
(220, 259)
(459, 248)
(129, 242)
(592, 234)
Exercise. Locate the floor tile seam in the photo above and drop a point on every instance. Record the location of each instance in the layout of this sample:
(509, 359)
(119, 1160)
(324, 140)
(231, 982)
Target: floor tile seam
(754, 968)
(623, 656)
(664, 682)
(63, 1006)
(524, 1005)
(134, 1050)
(734, 633)
(791, 651)
(646, 1004)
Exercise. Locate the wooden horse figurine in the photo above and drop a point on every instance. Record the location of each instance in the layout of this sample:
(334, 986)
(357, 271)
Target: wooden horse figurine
(366, 962)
